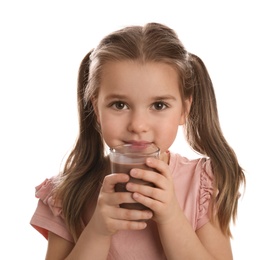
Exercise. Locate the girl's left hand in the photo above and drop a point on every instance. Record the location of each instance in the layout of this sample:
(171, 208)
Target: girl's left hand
(161, 199)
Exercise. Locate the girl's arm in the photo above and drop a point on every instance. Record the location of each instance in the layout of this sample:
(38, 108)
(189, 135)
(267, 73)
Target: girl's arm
(181, 242)
(59, 248)
(106, 220)
(178, 238)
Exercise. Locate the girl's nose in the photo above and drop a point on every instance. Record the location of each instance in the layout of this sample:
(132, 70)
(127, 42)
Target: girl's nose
(138, 122)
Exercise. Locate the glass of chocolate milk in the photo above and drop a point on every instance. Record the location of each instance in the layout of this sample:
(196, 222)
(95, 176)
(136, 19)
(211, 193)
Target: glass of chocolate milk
(125, 157)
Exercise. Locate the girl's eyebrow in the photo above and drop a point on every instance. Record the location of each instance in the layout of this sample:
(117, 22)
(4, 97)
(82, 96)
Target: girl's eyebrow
(115, 96)
(165, 97)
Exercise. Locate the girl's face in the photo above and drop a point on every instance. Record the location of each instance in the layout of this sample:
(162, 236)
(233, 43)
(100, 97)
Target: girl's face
(139, 103)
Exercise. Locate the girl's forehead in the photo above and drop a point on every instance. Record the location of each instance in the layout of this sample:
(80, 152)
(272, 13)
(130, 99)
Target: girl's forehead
(138, 80)
(134, 72)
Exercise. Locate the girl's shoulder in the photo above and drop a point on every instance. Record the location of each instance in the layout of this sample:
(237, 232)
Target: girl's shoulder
(197, 166)
(44, 192)
(48, 214)
(194, 186)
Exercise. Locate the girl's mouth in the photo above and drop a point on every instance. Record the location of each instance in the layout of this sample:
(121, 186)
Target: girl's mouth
(139, 144)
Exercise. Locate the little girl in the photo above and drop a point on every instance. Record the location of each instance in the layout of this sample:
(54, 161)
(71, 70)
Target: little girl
(137, 87)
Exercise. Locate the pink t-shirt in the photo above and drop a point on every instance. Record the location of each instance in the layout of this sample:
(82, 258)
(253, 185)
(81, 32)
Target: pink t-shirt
(193, 181)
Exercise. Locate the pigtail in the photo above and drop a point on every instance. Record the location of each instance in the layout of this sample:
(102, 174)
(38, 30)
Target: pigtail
(90, 137)
(203, 115)
(86, 151)
(86, 164)
(205, 136)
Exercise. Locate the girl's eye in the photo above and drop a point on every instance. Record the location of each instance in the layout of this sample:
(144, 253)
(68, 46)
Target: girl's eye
(119, 105)
(159, 105)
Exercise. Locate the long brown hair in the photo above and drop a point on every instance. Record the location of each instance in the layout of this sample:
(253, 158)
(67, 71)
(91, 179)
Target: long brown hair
(87, 165)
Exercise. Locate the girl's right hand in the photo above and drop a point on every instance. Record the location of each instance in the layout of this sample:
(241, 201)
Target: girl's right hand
(108, 217)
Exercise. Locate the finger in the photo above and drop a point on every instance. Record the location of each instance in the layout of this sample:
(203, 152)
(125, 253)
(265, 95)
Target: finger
(151, 203)
(111, 180)
(133, 215)
(118, 198)
(149, 176)
(159, 165)
(129, 225)
(147, 191)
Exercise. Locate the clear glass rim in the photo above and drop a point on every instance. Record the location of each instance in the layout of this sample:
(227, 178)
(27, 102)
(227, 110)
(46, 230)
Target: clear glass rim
(135, 150)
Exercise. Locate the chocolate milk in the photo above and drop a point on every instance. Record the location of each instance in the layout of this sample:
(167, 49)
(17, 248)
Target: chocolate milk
(120, 187)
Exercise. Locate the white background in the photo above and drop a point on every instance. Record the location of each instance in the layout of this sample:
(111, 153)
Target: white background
(42, 44)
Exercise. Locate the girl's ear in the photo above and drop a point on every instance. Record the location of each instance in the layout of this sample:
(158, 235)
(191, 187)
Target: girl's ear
(185, 112)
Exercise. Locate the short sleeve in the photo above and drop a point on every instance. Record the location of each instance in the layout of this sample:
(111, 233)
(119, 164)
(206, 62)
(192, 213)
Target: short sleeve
(48, 214)
(206, 193)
